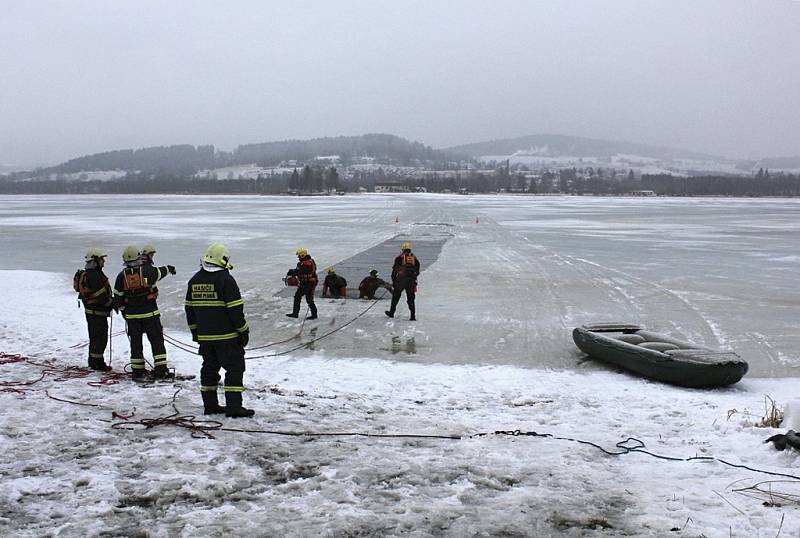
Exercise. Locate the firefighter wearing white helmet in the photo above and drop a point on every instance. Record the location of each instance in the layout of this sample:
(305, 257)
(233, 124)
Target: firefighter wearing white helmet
(404, 278)
(215, 314)
(94, 291)
(135, 294)
(306, 273)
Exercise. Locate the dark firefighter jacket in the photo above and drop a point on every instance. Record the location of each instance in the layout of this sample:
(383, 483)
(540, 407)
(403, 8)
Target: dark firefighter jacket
(370, 285)
(307, 271)
(214, 307)
(406, 266)
(333, 284)
(135, 291)
(95, 293)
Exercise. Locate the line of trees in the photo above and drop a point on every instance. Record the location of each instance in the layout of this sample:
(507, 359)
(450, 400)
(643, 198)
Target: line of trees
(311, 179)
(761, 184)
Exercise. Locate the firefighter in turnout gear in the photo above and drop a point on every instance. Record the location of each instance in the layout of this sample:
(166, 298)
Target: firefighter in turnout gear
(370, 284)
(215, 314)
(135, 294)
(94, 291)
(404, 278)
(306, 273)
(334, 285)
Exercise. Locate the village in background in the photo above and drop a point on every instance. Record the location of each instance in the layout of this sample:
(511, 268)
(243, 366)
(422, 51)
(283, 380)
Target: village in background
(538, 164)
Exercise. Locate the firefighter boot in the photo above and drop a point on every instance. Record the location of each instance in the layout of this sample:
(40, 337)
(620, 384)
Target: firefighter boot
(211, 403)
(413, 316)
(389, 313)
(97, 363)
(233, 406)
(138, 374)
(161, 372)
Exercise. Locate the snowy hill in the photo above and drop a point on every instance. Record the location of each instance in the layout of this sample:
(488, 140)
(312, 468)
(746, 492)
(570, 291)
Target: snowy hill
(547, 145)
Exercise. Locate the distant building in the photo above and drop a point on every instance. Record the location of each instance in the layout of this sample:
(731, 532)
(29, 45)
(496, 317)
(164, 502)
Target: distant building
(642, 193)
(329, 159)
(392, 186)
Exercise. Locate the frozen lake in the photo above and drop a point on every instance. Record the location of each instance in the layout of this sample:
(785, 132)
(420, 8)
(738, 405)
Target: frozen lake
(506, 289)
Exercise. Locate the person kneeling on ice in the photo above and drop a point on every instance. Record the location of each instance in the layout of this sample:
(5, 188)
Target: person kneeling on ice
(135, 293)
(306, 273)
(94, 291)
(215, 314)
(334, 285)
(404, 278)
(370, 284)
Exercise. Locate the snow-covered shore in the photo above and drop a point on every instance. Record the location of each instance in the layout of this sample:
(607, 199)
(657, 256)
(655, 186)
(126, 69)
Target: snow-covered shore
(67, 472)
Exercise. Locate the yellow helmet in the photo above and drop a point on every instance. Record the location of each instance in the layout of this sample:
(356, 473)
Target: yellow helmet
(130, 254)
(219, 255)
(331, 269)
(93, 253)
(406, 246)
(148, 250)
(301, 252)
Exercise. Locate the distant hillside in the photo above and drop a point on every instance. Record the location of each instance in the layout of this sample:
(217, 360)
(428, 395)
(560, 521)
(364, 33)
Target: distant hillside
(575, 146)
(379, 146)
(779, 162)
(187, 159)
(181, 159)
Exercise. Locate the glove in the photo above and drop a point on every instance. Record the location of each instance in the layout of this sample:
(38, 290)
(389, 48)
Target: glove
(244, 338)
(194, 335)
(171, 269)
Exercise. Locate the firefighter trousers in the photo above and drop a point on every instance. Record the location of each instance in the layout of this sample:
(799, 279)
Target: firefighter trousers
(307, 291)
(98, 338)
(400, 285)
(228, 355)
(155, 335)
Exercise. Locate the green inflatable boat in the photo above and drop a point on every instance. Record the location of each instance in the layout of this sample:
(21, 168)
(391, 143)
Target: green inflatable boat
(658, 356)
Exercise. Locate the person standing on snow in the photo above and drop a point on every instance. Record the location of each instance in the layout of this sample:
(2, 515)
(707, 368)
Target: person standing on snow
(334, 285)
(94, 291)
(306, 273)
(135, 293)
(404, 278)
(215, 314)
(370, 284)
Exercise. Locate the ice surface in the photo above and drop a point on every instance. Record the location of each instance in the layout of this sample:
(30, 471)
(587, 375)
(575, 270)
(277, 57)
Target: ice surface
(492, 351)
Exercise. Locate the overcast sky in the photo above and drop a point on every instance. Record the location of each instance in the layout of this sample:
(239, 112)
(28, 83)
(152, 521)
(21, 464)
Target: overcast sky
(78, 77)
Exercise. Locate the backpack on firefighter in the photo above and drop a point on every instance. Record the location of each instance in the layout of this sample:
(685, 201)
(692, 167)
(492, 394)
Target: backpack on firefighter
(79, 283)
(137, 286)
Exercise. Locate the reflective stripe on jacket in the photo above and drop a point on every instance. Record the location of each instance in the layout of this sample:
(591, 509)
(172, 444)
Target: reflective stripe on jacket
(214, 307)
(135, 291)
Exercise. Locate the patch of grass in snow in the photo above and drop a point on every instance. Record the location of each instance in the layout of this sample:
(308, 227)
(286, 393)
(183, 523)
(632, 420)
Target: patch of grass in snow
(772, 418)
(563, 523)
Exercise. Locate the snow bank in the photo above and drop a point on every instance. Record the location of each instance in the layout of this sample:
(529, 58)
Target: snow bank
(67, 472)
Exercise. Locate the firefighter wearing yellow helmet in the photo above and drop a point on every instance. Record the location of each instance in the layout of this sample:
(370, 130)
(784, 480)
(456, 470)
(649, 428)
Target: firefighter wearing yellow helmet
(135, 294)
(94, 291)
(334, 285)
(306, 273)
(404, 278)
(215, 314)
